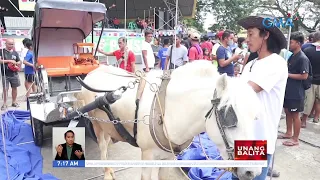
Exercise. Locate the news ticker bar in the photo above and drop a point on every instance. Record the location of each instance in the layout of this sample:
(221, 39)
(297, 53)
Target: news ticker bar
(159, 163)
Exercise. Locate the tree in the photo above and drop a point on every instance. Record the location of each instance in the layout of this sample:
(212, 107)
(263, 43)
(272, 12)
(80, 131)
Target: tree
(308, 20)
(197, 21)
(229, 12)
(215, 28)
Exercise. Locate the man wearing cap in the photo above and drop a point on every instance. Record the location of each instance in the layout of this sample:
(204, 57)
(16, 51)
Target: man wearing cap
(267, 75)
(216, 45)
(195, 51)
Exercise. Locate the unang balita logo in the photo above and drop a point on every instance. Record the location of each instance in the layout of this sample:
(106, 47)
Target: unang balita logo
(250, 150)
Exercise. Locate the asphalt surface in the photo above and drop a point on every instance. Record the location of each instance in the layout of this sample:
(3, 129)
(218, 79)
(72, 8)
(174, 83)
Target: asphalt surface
(294, 163)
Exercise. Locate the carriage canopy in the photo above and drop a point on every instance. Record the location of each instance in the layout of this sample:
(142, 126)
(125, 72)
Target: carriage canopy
(68, 15)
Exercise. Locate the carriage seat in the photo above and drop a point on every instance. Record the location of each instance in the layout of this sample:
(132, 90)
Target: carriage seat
(79, 69)
(56, 66)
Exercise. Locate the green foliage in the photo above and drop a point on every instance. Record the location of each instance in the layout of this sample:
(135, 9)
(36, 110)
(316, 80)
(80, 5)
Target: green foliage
(228, 12)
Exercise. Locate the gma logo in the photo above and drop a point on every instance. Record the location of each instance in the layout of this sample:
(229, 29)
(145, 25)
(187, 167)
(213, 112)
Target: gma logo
(277, 22)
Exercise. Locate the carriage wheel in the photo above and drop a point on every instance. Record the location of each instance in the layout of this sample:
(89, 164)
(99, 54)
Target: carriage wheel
(90, 129)
(37, 128)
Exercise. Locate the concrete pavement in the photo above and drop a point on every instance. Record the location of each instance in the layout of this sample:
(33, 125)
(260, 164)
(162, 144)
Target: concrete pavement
(295, 163)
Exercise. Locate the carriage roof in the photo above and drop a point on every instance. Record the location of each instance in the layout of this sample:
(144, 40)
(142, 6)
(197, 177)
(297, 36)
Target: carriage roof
(66, 14)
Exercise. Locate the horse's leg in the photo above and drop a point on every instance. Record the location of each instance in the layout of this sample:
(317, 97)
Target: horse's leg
(147, 172)
(103, 140)
(108, 172)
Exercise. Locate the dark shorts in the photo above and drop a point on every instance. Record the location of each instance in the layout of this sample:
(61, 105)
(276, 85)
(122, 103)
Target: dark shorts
(29, 78)
(294, 105)
(13, 81)
(144, 69)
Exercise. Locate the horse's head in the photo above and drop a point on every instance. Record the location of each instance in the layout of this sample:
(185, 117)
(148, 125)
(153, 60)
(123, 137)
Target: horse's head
(237, 107)
(188, 100)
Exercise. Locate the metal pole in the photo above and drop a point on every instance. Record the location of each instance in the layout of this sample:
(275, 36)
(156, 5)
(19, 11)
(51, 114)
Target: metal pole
(175, 26)
(16, 8)
(176, 22)
(125, 16)
(289, 33)
(154, 20)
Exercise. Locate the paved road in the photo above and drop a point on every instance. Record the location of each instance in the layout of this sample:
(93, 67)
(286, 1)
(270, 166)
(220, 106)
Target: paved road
(294, 163)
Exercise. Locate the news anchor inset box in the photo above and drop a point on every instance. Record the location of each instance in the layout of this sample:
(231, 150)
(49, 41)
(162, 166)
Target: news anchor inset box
(68, 146)
(250, 150)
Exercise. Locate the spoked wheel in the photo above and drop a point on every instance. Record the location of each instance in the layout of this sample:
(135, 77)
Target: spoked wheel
(37, 128)
(90, 129)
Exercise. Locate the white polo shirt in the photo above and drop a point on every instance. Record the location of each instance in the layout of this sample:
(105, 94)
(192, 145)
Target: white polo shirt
(150, 56)
(271, 75)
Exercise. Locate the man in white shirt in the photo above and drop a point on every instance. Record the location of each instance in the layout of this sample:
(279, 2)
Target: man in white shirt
(267, 75)
(147, 52)
(216, 45)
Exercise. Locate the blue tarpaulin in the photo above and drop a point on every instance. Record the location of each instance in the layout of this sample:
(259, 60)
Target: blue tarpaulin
(194, 152)
(24, 159)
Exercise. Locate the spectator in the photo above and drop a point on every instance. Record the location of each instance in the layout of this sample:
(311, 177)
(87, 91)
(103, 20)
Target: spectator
(24, 50)
(313, 94)
(206, 43)
(216, 45)
(179, 55)
(126, 58)
(242, 50)
(224, 56)
(147, 53)
(9, 76)
(195, 51)
(155, 48)
(298, 69)
(310, 41)
(206, 54)
(29, 69)
(162, 54)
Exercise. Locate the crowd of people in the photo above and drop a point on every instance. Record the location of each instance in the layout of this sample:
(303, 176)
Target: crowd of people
(281, 79)
(11, 63)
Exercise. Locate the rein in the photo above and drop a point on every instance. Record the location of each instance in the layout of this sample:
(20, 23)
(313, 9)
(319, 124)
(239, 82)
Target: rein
(215, 102)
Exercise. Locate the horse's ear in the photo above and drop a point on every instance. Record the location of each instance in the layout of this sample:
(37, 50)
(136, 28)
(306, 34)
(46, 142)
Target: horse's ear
(222, 84)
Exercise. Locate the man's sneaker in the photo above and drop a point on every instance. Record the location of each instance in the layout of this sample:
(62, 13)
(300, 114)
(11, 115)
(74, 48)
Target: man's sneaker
(4, 107)
(15, 105)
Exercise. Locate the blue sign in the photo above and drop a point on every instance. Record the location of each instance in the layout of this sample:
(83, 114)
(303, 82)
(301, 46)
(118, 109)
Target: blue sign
(69, 163)
(277, 22)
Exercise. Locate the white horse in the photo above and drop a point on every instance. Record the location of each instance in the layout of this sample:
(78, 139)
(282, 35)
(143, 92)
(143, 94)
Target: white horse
(188, 99)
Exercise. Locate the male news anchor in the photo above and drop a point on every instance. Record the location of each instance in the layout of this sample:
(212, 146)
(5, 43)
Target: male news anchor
(69, 150)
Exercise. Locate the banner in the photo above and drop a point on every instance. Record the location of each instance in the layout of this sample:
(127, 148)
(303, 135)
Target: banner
(110, 43)
(26, 5)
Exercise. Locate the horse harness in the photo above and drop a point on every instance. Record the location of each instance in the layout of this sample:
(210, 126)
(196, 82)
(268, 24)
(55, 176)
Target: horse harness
(225, 118)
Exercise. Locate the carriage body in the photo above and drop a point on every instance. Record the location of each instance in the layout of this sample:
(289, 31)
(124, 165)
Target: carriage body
(60, 54)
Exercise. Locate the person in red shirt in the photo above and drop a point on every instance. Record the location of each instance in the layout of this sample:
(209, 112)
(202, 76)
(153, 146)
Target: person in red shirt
(125, 57)
(195, 51)
(206, 44)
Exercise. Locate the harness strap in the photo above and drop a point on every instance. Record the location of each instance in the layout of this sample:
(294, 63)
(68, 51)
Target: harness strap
(119, 127)
(215, 102)
(140, 91)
